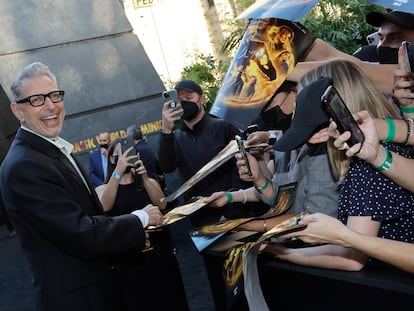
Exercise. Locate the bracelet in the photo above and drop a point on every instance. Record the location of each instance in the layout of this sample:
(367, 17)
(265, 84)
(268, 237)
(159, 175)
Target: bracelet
(409, 130)
(244, 196)
(229, 197)
(385, 166)
(116, 175)
(407, 109)
(391, 130)
(264, 226)
(264, 187)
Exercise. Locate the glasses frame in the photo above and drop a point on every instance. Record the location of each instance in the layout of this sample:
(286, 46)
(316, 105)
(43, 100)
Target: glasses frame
(28, 98)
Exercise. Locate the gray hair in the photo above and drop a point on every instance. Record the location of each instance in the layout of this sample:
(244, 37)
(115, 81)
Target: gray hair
(33, 70)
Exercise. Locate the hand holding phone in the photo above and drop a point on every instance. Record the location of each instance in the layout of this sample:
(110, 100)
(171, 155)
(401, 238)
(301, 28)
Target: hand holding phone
(172, 97)
(250, 129)
(126, 143)
(339, 112)
(408, 50)
(243, 152)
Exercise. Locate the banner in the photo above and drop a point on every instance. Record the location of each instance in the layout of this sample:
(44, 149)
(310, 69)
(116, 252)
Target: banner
(268, 52)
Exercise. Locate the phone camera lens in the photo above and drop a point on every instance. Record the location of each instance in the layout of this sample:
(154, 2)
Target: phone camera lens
(166, 95)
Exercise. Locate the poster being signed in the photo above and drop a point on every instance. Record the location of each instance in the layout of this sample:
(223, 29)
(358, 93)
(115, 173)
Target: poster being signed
(269, 50)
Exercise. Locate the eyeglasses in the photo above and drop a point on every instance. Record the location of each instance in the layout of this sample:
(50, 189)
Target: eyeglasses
(37, 100)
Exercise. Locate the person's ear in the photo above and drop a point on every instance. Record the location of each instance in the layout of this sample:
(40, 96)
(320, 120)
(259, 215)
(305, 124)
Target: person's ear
(17, 111)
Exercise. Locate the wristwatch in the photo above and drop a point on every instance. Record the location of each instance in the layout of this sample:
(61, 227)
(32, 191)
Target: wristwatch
(272, 137)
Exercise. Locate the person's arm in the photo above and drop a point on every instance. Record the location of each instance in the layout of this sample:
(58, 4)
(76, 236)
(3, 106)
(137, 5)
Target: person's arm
(264, 225)
(321, 52)
(153, 189)
(263, 186)
(330, 256)
(404, 87)
(322, 228)
(401, 169)
(222, 198)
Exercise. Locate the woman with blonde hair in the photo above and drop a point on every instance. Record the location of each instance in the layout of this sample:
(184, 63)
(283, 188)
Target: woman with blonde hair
(369, 202)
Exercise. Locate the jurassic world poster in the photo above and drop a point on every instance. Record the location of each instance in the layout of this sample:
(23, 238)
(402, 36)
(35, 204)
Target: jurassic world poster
(268, 52)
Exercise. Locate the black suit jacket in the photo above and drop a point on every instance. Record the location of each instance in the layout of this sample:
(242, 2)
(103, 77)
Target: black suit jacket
(62, 228)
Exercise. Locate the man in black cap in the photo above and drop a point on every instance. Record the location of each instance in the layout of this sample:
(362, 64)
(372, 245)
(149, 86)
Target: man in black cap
(394, 28)
(190, 147)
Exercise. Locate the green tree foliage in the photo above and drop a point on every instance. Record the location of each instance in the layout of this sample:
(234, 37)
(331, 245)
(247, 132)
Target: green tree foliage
(208, 74)
(341, 23)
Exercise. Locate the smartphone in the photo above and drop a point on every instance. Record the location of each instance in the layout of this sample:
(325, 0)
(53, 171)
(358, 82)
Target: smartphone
(373, 38)
(243, 152)
(339, 112)
(250, 129)
(172, 96)
(127, 142)
(408, 55)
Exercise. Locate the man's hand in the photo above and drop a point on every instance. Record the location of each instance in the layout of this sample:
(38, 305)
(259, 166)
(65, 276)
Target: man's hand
(169, 116)
(154, 213)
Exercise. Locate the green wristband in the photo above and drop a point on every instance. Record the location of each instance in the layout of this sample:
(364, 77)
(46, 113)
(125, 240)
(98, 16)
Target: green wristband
(264, 187)
(229, 197)
(385, 166)
(391, 130)
(407, 109)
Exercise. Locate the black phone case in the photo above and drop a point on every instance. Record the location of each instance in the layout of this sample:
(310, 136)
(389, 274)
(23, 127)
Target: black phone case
(127, 142)
(339, 112)
(409, 55)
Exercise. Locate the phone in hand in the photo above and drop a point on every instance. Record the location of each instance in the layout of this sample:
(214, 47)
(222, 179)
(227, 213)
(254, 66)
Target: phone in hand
(339, 112)
(243, 152)
(126, 143)
(373, 38)
(408, 50)
(172, 96)
(250, 129)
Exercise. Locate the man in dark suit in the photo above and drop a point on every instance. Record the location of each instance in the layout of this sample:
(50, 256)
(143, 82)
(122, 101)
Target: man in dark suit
(59, 221)
(98, 160)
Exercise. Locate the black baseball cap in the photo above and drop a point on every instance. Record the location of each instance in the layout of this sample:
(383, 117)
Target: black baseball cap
(309, 115)
(401, 19)
(189, 85)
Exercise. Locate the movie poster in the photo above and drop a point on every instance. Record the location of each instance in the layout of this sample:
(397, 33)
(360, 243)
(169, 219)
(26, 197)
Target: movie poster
(269, 50)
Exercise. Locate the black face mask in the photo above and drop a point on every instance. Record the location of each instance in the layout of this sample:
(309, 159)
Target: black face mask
(191, 110)
(276, 119)
(387, 55)
(105, 146)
